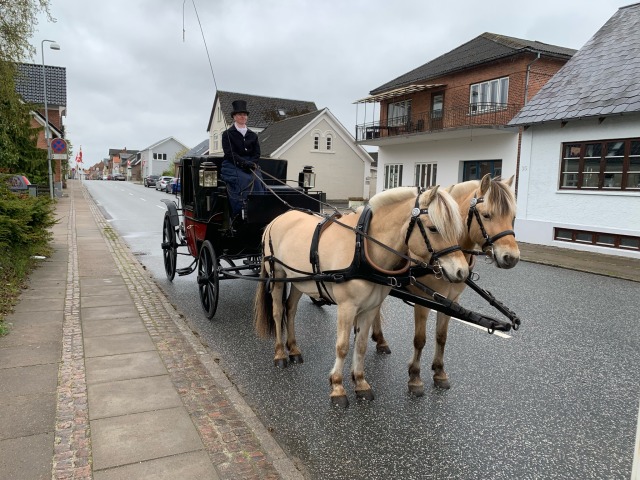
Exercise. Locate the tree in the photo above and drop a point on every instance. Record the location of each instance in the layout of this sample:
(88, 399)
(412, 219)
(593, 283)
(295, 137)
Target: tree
(18, 151)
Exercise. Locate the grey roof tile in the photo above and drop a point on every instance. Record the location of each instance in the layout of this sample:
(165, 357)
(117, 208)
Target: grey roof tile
(30, 85)
(482, 49)
(276, 134)
(601, 79)
(263, 111)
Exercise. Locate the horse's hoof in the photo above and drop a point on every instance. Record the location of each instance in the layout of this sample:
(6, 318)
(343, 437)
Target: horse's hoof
(384, 349)
(364, 395)
(281, 362)
(442, 383)
(296, 358)
(416, 390)
(342, 401)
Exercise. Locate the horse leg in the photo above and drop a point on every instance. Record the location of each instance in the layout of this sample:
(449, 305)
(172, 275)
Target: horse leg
(345, 322)
(420, 315)
(440, 377)
(280, 358)
(295, 355)
(376, 334)
(362, 326)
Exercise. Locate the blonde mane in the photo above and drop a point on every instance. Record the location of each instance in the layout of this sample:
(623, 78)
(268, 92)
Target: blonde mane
(499, 201)
(391, 196)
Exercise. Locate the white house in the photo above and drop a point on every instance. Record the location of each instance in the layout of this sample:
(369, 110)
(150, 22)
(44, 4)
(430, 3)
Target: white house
(579, 182)
(160, 156)
(295, 130)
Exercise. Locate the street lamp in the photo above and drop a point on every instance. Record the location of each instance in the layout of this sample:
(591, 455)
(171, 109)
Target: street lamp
(53, 46)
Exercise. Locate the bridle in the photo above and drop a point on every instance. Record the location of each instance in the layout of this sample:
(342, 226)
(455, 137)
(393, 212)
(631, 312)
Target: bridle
(473, 213)
(416, 211)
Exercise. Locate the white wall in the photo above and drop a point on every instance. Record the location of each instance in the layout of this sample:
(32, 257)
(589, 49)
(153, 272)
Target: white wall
(543, 206)
(340, 173)
(449, 154)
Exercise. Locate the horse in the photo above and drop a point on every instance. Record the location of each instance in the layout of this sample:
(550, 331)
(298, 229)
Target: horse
(287, 253)
(488, 207)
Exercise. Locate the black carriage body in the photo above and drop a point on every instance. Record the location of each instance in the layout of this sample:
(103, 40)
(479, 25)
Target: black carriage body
(207, 213)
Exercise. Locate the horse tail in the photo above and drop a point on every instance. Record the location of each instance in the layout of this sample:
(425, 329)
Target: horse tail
(264, 323)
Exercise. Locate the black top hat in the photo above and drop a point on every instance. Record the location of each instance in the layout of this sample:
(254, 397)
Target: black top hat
(239, 106)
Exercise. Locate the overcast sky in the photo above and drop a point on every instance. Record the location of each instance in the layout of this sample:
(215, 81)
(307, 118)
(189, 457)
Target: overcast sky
(133, 80)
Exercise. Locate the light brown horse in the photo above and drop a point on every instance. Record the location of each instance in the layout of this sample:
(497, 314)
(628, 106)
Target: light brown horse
(488, 208)
(287, 243)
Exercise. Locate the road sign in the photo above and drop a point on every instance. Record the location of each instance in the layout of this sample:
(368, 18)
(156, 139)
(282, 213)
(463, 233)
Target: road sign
(59, 156)
(58, 145)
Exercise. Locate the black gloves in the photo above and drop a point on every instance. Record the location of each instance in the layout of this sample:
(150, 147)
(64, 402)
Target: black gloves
(247, 165)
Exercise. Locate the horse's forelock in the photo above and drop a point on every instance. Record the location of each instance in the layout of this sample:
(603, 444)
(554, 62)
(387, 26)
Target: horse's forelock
(500, 199)
(445, 215)
(391, 196)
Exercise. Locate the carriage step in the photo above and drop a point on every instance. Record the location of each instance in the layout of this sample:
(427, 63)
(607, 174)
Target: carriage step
(184, 271)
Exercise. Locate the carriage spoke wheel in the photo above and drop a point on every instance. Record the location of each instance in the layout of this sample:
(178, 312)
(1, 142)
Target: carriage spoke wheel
(169, 248)
(208, 279)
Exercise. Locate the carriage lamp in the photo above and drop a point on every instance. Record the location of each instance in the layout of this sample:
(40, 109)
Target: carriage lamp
(306, 178)
(208, 175)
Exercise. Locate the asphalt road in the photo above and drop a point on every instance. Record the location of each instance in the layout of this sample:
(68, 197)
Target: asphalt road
(557, 399)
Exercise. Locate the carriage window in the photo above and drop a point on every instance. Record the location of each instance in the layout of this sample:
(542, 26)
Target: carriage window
(392, 176)
(425, 174)
(603, 165)
(608, 240)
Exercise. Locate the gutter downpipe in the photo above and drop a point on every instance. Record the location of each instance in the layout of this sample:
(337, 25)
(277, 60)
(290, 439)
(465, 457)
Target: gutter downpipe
(526, 80)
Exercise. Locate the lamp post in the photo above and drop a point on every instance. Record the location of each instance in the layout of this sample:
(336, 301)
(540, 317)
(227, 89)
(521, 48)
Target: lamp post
(53, 46)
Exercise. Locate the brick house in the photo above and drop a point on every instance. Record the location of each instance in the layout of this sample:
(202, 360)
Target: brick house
(447, 120)
(30, 86)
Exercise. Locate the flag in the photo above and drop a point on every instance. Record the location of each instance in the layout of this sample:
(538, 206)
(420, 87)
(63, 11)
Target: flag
(80, 155)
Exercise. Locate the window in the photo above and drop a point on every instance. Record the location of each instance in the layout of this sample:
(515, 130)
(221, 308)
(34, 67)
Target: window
(425, 174)
(399, 113)
(476, 169)
(489, 96)
(316, 142)
(329, 142)
(392, 176)
(601, 165)
(215, 142)
(609, 240)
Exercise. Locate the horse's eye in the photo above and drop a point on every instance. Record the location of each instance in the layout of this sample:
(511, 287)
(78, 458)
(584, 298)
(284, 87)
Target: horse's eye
(487, 216)
(433, 229)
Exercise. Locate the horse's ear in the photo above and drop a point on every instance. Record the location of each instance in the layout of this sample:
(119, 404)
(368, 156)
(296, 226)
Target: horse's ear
(510, 181)
(431, 194)
(449, 189)
(485, 183)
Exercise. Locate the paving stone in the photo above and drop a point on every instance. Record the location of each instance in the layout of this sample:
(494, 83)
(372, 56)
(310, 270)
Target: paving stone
(34, 354)
(113, 311)
(27, 415)
(144, 436)
(137, 395)
(196, 465)
(117, 344)
(120, 367)
(113, 327)
(26, 458)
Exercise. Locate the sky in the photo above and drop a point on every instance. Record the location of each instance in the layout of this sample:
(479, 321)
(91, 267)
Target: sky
(138, 71)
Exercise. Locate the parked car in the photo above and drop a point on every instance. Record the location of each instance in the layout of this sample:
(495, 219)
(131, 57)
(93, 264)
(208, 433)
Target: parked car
(120, 177)
(150, 181)
(174, 186)
(162, 183)
(18, 183)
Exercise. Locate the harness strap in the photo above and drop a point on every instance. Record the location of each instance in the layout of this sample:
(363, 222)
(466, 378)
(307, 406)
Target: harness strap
(314, 256)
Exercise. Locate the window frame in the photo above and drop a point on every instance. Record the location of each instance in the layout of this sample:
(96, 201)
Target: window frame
(578, 159)
(419, 174)
(596, 239)
(393, 171)
(491, 95)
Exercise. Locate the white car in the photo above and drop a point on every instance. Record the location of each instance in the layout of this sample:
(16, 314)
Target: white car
(162, 183)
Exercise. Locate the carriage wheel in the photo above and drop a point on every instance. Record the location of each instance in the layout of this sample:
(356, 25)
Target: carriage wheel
(208, 279)
(169, 247)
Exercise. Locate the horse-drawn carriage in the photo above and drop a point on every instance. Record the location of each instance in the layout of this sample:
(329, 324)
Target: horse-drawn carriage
(405, 243)
(223, 247)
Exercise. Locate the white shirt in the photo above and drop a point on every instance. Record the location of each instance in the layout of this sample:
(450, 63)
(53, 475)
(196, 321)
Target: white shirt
(243, 131)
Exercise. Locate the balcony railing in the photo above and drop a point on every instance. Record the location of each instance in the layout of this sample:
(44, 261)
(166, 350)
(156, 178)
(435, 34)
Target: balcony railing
(477, 114)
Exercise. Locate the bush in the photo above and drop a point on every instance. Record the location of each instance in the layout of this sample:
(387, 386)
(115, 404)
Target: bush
(24, 232)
